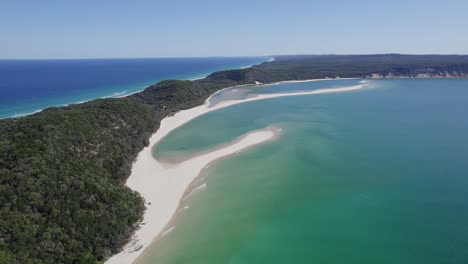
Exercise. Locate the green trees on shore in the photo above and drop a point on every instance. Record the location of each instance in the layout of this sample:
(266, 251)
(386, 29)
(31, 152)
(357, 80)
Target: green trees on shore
(61, 181)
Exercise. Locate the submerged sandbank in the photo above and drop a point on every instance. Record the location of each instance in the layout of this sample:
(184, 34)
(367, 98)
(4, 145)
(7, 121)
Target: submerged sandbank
(163, 186)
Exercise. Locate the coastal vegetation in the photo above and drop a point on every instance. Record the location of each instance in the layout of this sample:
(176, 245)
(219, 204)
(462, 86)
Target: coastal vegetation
(62, 171)
(62, 174)
(301, 67)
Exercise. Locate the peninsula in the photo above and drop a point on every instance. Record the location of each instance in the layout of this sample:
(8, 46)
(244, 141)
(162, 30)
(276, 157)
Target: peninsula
(63, 170)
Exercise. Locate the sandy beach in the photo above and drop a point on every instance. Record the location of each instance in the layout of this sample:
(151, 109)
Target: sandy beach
(164, 185)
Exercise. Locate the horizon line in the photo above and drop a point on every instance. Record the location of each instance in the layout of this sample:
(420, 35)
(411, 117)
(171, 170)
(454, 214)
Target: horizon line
(240, 56)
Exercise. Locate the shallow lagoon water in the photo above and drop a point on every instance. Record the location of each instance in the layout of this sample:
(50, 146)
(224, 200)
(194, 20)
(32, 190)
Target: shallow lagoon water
(378, 175)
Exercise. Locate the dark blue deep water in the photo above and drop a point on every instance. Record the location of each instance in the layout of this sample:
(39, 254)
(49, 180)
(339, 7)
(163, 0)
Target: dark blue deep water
(27, 86)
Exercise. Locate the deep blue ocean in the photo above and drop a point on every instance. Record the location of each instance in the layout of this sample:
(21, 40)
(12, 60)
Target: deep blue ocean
(27, 86)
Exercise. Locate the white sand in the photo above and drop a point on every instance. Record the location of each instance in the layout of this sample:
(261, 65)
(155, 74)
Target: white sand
(164, 185)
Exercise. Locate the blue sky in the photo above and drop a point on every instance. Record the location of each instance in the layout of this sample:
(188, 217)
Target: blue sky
(175, 28)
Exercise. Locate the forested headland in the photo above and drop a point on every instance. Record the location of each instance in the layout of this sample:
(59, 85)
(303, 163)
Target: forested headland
(62, 170)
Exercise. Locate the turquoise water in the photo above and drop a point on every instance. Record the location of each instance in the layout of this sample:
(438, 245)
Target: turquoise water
(378, 175)
(27, 86)
(242, 119)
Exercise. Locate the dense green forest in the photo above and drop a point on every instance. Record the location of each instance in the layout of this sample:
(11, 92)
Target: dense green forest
(61, 181)
(347, 66)
(62, 171)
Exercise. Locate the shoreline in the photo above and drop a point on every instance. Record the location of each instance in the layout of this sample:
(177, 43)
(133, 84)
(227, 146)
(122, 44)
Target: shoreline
(196, 183)
(162, 192)
(125, 93)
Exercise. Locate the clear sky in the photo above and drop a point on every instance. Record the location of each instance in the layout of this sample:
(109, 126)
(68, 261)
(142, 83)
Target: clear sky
(176, 28)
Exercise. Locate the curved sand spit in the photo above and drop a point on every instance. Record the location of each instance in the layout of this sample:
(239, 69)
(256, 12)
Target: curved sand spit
(164, 186)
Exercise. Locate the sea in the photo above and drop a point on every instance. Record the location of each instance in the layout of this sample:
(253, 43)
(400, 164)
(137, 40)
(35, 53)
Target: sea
(28, 86)
(377, 175)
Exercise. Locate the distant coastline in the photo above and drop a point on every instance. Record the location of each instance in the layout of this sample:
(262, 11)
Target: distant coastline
(59, 96)
(421, 72)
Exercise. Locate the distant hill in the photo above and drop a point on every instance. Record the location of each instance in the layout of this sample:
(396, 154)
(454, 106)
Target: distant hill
(348, 66)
